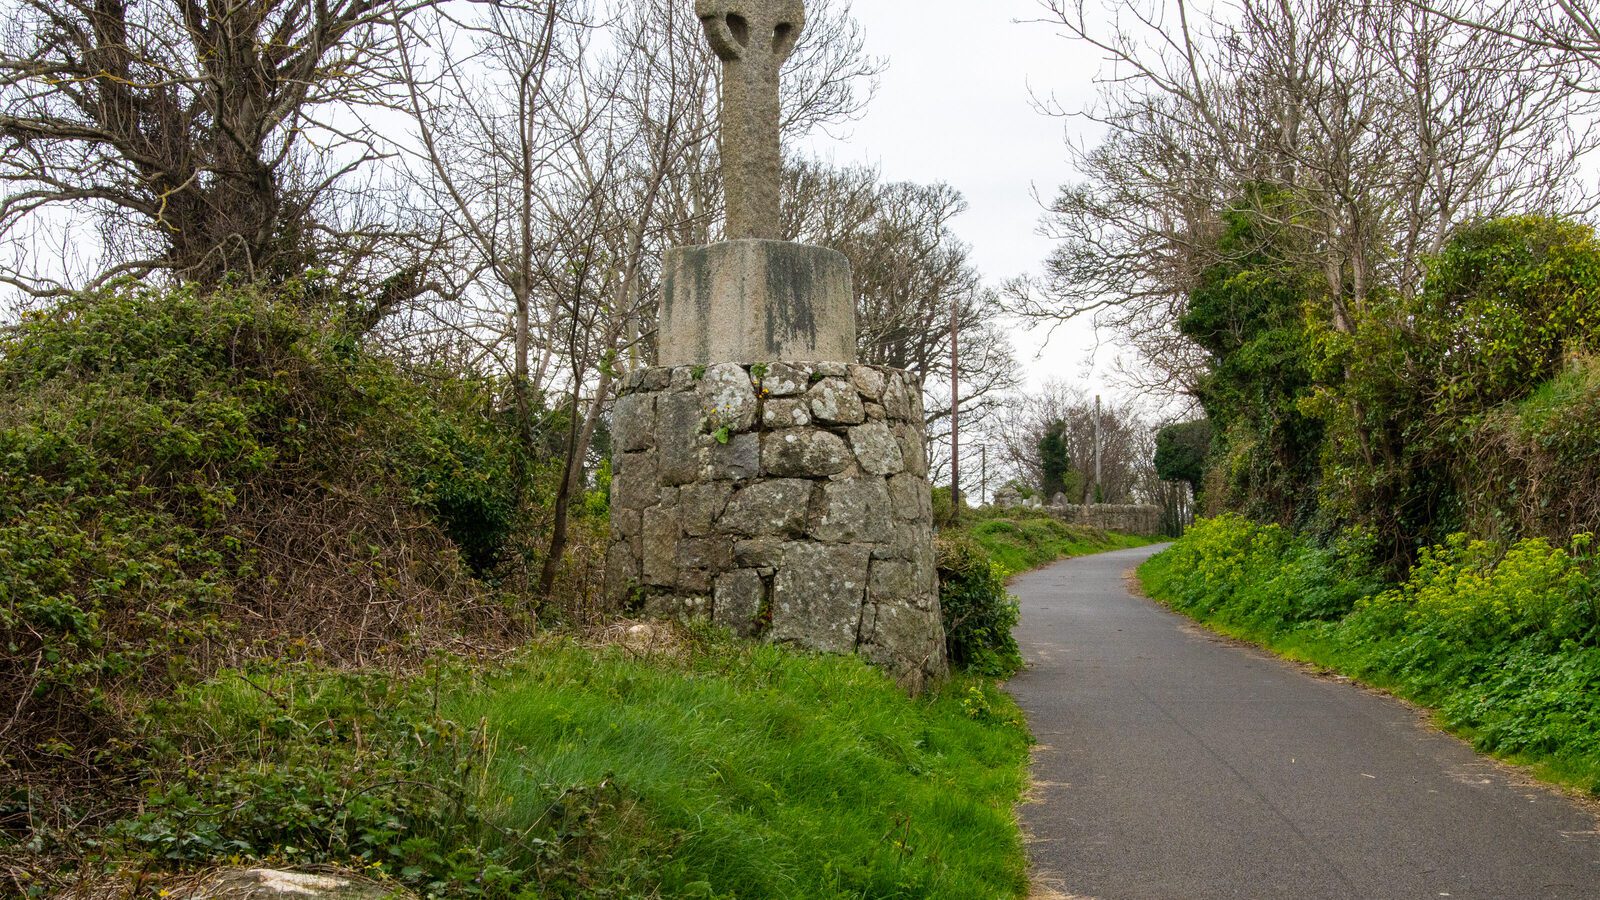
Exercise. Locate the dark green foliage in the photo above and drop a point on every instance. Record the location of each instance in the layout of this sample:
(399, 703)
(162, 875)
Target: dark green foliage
(1534, 467)
(1055, 459)
(1248, 314)
(1398, 414)
(942, 511)
(1183, 452)
(1505, 642)
(979, 613)
(1504, 306)
(183, 476)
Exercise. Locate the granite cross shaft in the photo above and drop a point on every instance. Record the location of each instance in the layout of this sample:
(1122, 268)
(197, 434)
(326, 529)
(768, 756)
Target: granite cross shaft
(753, 38)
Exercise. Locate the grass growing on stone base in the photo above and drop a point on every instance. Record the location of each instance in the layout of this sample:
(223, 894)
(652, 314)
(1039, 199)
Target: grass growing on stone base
(693, 767)
(1023, 540)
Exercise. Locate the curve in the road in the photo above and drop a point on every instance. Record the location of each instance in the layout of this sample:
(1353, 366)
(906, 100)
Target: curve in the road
(1175, 764)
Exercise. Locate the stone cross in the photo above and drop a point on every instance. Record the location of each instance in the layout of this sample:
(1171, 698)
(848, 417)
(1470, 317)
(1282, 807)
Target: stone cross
(753, 38)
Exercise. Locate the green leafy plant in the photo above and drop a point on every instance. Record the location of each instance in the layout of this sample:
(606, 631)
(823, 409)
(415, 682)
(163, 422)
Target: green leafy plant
(979, 613)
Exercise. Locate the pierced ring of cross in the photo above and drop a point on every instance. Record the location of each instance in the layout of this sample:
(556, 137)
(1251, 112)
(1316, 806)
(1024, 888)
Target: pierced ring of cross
(732, 25)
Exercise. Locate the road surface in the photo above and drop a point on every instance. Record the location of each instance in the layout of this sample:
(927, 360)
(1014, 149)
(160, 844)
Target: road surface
(1175, 764)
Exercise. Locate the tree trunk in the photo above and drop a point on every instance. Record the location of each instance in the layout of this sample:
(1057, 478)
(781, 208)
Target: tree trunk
(558, 529)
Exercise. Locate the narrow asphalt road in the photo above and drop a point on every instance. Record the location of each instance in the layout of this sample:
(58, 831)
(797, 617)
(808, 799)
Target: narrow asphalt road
(1174, 764)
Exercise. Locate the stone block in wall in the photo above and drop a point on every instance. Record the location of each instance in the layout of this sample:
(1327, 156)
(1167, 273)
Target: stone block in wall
(817, 596)
(679, 607)
(635, 481)
(737, 459)
(895, 400)
(727, 399)
(785, 380)
(713, 554)
(803, 453)
(906, 540)
(781, 507)
(627, 524)
(869, 382)
(876, 449)
(623, 574)
(905, 493)
(786, 413)
(835, 401)
(661, 532)
(907, 641)
(738, 602)
(758, 553)
(681, 443)
(702, 506)
(897, 579)
(855, 511)
(635, 428)
(913, 449)
(756, 511)
(694, 581)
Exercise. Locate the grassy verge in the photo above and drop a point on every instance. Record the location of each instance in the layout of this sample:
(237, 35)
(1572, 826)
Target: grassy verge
(712, 769)
(1503, 643)
(1019, 541)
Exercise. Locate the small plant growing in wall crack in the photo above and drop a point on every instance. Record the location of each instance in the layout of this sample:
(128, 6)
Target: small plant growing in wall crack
(723, 435)
(698, 373)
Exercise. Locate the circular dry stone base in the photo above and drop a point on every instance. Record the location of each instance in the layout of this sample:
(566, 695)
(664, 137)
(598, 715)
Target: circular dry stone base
(785, 501)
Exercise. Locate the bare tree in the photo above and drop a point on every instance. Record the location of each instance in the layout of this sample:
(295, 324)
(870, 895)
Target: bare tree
(910, 272)
(202, 139)
(1127, 442)
(1371, 129)
(1568, 27)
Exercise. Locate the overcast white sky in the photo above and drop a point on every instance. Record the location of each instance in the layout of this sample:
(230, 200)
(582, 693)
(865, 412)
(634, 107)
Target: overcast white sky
(955, 107)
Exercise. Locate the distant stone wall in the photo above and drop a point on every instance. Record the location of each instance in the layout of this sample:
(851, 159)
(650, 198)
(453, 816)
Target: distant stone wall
(1140, 520)
(788, 502)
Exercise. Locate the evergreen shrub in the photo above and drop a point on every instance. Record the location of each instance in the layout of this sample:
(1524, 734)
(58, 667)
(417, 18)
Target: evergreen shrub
(979, 613)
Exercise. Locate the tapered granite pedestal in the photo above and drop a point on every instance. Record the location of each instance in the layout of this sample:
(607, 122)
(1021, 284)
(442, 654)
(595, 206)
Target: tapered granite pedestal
(781, 491)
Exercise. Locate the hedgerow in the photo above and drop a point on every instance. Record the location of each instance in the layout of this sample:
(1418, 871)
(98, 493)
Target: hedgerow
(190, 481)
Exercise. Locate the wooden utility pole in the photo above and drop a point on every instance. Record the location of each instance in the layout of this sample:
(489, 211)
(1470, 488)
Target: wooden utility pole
(955, 409)
(1096, 496)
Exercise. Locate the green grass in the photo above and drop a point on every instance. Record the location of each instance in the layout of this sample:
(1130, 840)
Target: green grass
(770, 774)
(723, 770)
(1020, 542)
(1502, 643)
